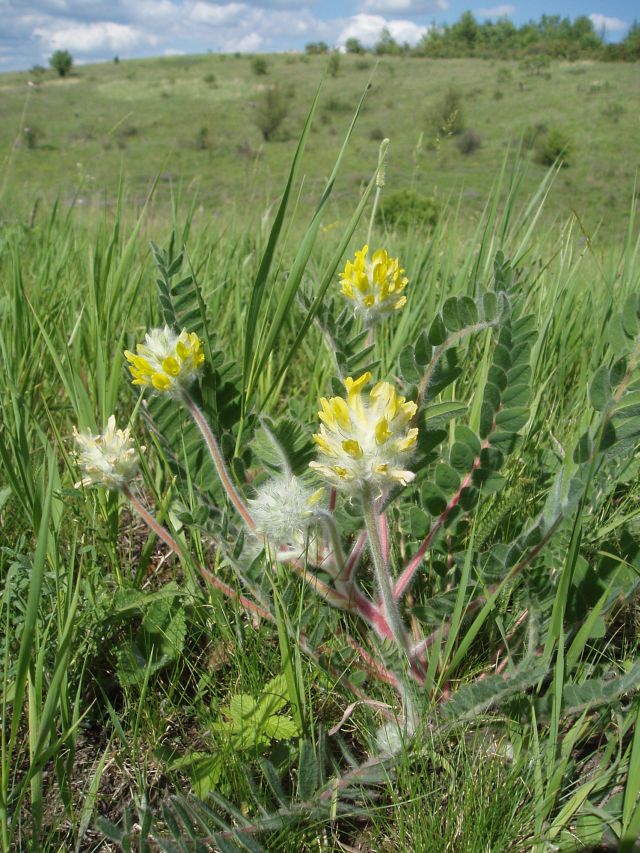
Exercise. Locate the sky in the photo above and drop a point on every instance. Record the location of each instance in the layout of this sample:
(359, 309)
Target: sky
(98, 30)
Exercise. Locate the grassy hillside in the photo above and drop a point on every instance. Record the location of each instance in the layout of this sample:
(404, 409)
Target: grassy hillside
(189, 121)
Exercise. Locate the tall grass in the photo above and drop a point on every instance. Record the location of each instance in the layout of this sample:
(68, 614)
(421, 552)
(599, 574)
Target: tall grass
(82, 580)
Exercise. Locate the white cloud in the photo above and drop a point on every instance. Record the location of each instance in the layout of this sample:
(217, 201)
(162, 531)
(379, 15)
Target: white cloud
(215, 16)
(245, 44)
(367, 29)
(97, 37)
(403, 7)
(497, 11)
(604, 22)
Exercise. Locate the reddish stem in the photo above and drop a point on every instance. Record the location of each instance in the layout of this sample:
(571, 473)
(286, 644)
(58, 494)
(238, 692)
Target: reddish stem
(409, 571)
(384, 535)
(372, 666)
(163, 534)
(353, 558)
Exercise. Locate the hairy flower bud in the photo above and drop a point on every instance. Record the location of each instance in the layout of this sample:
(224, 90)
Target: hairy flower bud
(283, 509)
(109, 459)
(375, 286)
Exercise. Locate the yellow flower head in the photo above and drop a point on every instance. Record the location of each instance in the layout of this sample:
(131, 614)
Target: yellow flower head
(376, 286)
(108, 459)
(365, 438)
(165, 361)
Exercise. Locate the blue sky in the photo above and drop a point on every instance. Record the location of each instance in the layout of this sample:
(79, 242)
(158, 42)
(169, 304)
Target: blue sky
(95, 30)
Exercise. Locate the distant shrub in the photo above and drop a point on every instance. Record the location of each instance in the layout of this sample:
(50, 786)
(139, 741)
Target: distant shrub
(116, 60)
(124, 133)
(316, 47)
(447, 118)
(498, 95)
(505, 75)
(259, 66)
(337, 105)
(61, 61)
(363, 64)
(408, 209)
(333, 66)
(613, 111)
(552, 146)
(376, 134)
(271, 110)
(31, 136)
(202, 139)
(209, 79)
(536, 65)
(37, 70)
(353, 45)
(596, 87)
(532, 133)
(468, 141)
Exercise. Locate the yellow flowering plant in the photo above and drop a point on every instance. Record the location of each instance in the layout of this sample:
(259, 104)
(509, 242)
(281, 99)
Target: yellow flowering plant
(371, 448)
(382, 488)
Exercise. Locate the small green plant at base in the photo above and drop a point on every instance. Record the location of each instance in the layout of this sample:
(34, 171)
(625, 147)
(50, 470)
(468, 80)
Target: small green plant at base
(247, 726)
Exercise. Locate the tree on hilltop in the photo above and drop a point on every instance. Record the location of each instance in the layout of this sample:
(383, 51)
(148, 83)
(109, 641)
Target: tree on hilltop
(61, 61)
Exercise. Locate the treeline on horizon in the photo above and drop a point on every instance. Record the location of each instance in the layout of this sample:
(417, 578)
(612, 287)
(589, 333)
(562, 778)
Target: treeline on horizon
(551, 36)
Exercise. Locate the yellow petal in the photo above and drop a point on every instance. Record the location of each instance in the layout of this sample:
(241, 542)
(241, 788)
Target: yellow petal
(341, 412)
(160, 382)
(382, 431)
(354, 386)
(352, 448)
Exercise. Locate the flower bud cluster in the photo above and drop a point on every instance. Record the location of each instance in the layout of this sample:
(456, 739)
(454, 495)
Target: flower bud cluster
(375, 286)
(166, 362)
(365, 440)
(108, 459)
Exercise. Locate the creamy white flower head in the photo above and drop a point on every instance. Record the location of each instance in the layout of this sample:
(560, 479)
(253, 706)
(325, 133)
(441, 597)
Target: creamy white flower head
(165, 361)
(283, 509)
(376, 286)
(109, 459)
(365, 440)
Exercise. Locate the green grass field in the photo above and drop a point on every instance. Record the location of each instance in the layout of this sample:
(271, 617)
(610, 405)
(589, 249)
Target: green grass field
(173, 681)
(189, 121)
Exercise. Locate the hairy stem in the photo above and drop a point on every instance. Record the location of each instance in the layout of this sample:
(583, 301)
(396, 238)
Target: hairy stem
(218, 460)
(163, 534)
(440, 351)
(385, 588)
